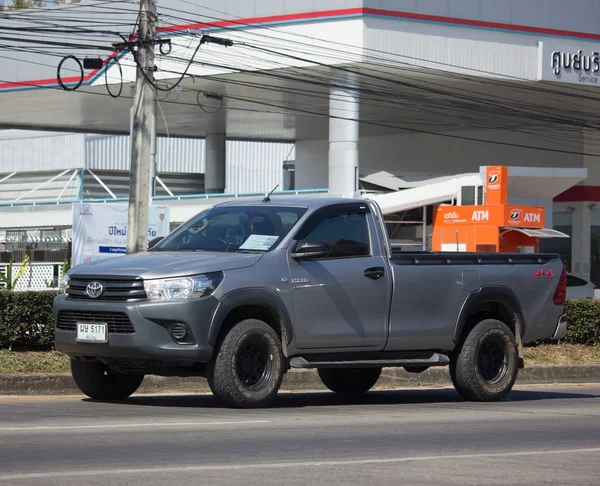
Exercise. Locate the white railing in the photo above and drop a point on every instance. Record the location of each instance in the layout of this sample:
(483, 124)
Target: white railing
(37, 276)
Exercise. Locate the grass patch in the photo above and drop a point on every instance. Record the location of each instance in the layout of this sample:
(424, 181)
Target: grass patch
(562, 354)
(33, 362)
(55, 362)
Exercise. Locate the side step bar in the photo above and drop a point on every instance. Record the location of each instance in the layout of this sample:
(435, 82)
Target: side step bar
(435, 359)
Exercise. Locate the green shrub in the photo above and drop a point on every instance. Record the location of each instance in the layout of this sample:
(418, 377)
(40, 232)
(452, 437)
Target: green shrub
(584, 321)
(27, 323)
(26, 320)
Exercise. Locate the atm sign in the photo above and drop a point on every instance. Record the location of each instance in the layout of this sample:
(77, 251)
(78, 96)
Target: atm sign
(532, 218)
(525, 216)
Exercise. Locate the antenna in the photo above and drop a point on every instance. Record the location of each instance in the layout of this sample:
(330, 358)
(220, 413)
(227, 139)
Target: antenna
(268, 198)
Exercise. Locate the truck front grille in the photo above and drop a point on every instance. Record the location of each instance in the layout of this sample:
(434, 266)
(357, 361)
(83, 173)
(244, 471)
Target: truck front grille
(117, 322)
(129, 289)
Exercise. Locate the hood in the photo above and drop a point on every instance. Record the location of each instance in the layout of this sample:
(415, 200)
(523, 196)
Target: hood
(166, 264)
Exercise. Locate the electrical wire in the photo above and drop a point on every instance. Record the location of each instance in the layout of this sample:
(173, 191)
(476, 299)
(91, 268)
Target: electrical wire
(440, 72)
(59, 77)
(163, 116)
(261, 73)
(115, 60)
(342, 49)
(322, 114)
(469, 106)
(170, 9)
(388, 125)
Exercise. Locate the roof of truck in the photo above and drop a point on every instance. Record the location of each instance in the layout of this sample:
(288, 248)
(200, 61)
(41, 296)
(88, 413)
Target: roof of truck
(298, 202)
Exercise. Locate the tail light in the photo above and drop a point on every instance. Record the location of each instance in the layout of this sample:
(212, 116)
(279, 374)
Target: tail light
(560, 294)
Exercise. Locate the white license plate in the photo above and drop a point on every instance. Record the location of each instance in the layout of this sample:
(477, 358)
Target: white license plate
(91, 332)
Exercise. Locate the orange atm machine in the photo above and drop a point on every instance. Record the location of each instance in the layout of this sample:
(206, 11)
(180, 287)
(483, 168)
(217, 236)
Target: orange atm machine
(494, 226)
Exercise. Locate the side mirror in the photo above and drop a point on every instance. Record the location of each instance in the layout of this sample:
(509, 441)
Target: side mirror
(306, 249)
(154, 241)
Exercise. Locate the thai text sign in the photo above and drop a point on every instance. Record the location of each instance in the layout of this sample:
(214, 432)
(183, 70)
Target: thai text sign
(568, 63)
(100, 230)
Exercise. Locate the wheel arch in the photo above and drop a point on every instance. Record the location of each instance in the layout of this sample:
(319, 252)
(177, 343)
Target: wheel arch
(492, 302)
(256, 303)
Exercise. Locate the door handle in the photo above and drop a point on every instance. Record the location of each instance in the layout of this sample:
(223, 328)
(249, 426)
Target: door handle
(374, 272)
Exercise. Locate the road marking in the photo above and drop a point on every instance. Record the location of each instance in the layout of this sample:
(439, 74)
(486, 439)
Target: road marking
(284, 465)
(124, 426)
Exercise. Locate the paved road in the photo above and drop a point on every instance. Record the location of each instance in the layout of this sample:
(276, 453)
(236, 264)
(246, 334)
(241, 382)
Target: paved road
(538, 436)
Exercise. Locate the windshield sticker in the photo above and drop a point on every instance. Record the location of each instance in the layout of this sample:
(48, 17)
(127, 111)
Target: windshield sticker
(259, 242)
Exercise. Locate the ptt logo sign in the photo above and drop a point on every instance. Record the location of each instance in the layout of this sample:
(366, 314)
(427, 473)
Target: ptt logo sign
(480, 216)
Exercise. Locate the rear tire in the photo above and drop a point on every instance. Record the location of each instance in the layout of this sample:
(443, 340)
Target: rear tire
(99, 383)
(249, 366)
(484, 367)
(349, 381)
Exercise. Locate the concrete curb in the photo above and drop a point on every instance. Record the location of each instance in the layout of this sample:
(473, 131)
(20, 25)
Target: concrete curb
(298, 380)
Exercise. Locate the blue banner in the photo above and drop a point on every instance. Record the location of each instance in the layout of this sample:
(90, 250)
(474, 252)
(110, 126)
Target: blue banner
(112, 249)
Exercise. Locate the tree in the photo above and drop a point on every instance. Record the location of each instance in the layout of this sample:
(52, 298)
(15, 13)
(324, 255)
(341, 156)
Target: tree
(22, 4)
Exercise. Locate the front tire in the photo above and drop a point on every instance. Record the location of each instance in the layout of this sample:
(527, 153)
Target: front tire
(484, 367)
(349, 381)
(99, 383)
(249, 366)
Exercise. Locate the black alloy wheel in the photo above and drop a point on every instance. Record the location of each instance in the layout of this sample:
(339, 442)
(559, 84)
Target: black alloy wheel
(253, 366)
(492, 359)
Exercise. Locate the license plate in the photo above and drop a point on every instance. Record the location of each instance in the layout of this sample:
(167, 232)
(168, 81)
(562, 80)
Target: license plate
(91, 332)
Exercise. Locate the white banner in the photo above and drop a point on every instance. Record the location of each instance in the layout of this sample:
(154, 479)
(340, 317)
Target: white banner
(100, 230)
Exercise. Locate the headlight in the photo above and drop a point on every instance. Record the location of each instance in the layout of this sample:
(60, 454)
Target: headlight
(182, 287)
(63, 285)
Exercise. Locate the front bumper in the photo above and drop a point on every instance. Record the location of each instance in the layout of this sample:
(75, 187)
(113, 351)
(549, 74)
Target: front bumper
(151, 338)
(561, 328)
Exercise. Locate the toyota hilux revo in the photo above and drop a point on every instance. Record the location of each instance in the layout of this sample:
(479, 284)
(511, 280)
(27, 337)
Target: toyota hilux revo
(246, 290)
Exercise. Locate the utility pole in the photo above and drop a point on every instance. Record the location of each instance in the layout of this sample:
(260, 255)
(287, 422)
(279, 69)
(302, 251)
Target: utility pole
(141, 131)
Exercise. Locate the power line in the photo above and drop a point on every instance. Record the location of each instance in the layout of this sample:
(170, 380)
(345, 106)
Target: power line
(415, 101)
(336, 50)
(396, 125)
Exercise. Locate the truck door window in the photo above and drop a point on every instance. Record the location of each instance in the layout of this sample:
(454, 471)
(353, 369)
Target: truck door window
(347, 234)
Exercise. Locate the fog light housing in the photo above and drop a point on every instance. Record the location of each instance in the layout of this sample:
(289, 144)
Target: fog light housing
(181, 333)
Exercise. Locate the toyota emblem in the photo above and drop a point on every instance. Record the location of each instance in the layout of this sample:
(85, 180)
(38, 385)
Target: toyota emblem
(94, 290)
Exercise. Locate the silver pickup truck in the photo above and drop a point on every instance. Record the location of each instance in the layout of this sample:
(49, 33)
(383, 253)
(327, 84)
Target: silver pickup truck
(245, 291)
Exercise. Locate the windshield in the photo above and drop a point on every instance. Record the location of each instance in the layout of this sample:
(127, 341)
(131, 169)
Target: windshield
(233, 229)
